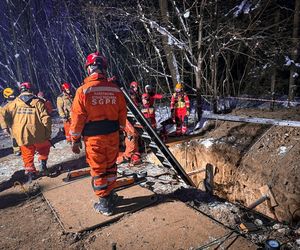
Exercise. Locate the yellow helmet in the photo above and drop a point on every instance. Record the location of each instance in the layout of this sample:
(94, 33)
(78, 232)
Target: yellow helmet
(7, 92)
(178, 87)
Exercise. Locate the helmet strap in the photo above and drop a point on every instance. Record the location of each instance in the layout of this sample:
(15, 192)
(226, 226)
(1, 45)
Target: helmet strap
(94, 69)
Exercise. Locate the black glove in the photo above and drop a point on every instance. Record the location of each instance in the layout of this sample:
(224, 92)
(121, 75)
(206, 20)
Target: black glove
(76, 146)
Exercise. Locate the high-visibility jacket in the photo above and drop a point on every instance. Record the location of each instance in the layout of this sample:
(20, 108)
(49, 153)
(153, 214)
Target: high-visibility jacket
(2, 108)
(48, 105)
(98, 108)
(180, 100)
(28, 119)
(64, 105)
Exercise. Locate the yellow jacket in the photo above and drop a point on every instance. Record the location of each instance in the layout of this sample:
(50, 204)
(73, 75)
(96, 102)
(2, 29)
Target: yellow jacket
(2, 123)
(64, 104)
(28, 119)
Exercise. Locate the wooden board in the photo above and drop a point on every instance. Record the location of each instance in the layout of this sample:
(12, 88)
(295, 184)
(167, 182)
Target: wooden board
(73, 204)
(171, 225)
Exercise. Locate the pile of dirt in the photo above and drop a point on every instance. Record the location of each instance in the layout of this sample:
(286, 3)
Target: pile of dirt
(246, 157)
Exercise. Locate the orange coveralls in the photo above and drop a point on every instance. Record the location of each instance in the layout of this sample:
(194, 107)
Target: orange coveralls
(131, 142)
(98, 112)
(180, 105)
(31, 127)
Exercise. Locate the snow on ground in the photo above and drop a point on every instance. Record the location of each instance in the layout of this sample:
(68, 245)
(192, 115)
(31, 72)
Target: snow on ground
(9, 163)
(207, 142)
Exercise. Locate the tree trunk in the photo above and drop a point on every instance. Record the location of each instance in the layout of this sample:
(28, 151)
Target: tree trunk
(171, 60)
(15, 42)
(214, 61)
(274, 70)
(96, 33)
(198, 70)
(294, 52)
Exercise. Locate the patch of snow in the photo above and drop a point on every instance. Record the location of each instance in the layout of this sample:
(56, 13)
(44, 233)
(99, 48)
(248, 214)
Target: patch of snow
(295, 75)
(170, 41)
(288, 61)
(186, 14)
(200, 124)
(266, 66)
(247, 8)
(243, 7)
(162, 113)
(207, 142)
(17, 55)
(282, 150)
(297, 65)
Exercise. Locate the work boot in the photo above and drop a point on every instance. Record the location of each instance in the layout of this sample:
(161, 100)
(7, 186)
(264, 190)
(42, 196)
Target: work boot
(43, 167)
(106, 204)
(17, 153)
(103, 206)
(30, 177)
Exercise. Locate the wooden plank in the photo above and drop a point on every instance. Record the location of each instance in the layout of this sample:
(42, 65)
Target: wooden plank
(170, 225)
(73, 204)
(235, 118)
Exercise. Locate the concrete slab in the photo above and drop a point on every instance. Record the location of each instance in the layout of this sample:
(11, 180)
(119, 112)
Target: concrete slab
(73, 204)
(170, 225)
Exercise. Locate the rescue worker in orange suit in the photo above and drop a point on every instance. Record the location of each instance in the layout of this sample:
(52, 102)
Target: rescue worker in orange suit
(30, 124)
(98, 113)
(148, 109)
(47, 103)
(131, 153)
(153, 96)
(64, 104)
(9, 95)
(134, 93)
(180, 109)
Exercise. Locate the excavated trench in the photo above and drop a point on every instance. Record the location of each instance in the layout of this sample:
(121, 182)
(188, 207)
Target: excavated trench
(245, 157)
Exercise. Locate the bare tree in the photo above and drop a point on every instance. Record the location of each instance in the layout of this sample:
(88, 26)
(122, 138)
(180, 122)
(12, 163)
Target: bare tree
(295, 49)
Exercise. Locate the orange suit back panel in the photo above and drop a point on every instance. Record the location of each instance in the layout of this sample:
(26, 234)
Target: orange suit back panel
(97, 100)
(99, 104)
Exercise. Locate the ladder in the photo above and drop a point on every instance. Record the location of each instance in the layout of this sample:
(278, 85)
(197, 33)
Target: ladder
(149, 135)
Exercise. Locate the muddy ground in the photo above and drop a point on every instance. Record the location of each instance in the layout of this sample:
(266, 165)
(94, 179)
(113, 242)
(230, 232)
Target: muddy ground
(28, 223)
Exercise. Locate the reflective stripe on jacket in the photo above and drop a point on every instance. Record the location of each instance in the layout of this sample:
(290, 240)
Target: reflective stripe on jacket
(180, 100)
(100, 102)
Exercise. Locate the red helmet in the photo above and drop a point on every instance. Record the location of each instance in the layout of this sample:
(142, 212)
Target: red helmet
(145, 96)
(96, 59)
(25, 86)
(65, 86)
(134, 84)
